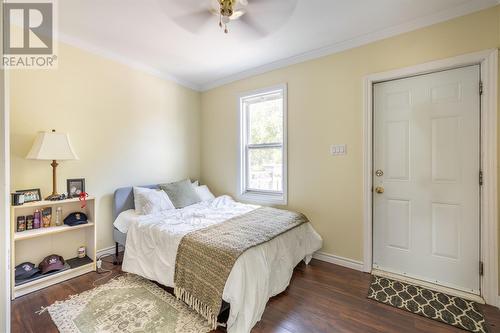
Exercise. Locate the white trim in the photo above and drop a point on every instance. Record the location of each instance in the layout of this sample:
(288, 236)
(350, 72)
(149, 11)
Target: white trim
(4, 196)
(271, 198)
(461, 10)
(432, 286)
(489, 194)
(75, 42)
(489, 224)
(108, 251)
(337, 260)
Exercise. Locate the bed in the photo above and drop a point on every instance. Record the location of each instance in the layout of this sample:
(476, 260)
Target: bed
(259, 273)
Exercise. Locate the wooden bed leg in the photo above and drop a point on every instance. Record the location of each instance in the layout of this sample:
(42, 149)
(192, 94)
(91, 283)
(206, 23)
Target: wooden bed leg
(116, 261)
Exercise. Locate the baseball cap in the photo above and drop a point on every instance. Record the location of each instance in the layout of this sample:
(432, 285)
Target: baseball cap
(51, 263)
(25, 270)
(75, 219)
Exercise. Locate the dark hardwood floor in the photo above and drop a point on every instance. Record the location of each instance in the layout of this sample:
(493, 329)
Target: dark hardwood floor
(322, 297)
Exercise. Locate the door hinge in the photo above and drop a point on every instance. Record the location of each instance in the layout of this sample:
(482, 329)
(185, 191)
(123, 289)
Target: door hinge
(481, 268)
(481, 178)
(480, 87)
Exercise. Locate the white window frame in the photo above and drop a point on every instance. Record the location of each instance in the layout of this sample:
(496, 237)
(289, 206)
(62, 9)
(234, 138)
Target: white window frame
(260, 196)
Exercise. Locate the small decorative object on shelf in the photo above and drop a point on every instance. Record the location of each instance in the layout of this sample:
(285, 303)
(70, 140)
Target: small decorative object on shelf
(17, 198)
(37, 218)
(21, 223)
(31, 195)
(30, 219)
(83, 198)
(59, 220)
(75, 187)
(82, 253)
(29, 224)
(57, 197)
(46, 217)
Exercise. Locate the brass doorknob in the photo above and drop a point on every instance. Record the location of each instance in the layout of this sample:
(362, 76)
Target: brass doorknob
(379, 189)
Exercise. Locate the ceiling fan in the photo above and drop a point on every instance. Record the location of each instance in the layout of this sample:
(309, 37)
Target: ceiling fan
(260, 16)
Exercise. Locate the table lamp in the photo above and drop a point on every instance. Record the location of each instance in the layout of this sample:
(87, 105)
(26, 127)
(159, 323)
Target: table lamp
(52, 146)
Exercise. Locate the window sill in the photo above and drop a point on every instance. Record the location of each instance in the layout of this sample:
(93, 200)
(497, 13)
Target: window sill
(264, 198)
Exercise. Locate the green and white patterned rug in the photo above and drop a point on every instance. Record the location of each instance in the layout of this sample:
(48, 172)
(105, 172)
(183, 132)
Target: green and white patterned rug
(126, 304)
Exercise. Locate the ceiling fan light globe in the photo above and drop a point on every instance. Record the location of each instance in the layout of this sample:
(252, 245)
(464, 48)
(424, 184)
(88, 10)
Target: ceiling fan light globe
(225, 19)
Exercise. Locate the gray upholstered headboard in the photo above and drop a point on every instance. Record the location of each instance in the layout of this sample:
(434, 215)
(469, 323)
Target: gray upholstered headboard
(124, 199)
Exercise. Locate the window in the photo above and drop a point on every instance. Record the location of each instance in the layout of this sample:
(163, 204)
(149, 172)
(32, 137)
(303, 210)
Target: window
(263, 146)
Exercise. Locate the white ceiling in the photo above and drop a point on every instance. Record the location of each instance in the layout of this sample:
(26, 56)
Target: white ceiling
(144, 34)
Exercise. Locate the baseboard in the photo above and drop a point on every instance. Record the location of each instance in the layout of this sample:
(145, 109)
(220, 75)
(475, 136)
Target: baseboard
(337, 260)
(108, 251)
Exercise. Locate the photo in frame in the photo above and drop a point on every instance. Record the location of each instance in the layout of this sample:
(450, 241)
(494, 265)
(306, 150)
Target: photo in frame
(75, 187)
(31, 195)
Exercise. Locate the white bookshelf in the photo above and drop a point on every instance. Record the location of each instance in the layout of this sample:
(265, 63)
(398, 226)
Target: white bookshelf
(34, 245)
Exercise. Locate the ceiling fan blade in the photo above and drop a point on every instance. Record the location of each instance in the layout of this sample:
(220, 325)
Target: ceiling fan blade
(267, 16)
(188, 5)
(253, 25)
(195, 21)
(280, 7)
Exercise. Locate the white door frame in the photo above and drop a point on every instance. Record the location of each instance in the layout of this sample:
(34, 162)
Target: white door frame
(489, 225)
(4, 197)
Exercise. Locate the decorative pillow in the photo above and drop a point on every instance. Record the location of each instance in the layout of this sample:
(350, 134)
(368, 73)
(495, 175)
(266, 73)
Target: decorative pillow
(181, 193)
(204, 193)
(149, 201)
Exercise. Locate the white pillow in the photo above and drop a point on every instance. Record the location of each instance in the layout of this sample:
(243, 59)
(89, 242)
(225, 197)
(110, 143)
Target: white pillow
(149, 201)
(124, 220)
(204, 193)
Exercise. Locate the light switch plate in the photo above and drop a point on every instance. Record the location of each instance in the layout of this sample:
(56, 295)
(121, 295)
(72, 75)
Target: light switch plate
(338, 150)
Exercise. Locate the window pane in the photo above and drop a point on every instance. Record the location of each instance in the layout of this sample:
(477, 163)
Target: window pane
(265, 120)
(265, 169)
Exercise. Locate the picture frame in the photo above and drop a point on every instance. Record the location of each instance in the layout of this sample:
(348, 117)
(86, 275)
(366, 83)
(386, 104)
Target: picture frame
(75, 186)
(31, 195)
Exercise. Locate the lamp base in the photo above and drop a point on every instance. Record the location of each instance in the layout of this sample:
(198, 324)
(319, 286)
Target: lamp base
(55, 197)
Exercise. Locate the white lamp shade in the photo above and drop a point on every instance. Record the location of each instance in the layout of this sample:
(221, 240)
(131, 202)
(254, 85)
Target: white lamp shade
(52, 146)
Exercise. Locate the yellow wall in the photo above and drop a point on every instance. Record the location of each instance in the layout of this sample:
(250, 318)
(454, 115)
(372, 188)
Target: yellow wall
(127, 127)
(325, 105)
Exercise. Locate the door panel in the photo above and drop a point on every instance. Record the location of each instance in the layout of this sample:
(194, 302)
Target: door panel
(398, 224)
(427, 145)
(397, 150)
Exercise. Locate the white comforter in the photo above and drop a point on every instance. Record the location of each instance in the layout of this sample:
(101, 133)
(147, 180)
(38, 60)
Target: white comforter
(260, 273)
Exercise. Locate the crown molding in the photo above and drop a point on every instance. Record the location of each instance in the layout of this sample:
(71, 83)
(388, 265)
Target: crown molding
(462, 10)
(75, 42)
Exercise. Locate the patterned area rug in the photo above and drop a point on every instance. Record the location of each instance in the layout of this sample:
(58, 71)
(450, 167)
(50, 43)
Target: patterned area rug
(126, 304)
(448, 309)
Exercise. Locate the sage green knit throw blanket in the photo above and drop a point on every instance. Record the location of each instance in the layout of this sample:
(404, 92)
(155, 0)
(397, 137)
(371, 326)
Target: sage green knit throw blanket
(205, 257)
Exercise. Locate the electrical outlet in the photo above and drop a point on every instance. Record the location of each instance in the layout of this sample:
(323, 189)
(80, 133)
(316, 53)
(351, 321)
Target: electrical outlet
(99, 264)
(338, 150)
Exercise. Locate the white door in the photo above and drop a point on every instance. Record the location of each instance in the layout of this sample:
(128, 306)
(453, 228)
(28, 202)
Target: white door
(426, 158)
